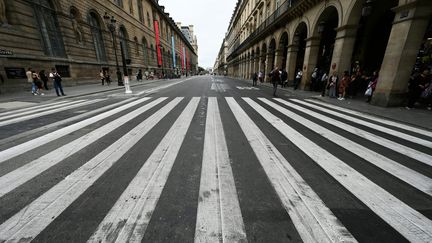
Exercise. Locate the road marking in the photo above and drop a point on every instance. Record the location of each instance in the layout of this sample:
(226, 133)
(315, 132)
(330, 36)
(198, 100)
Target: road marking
(247, 88)
(219, 216)
(62, 122)
(377, 119)
(35, 217)
(417, 155)
(35, 106)
(128, 219)
(37, 142)
(370, 125)
(415, 179)
(312, 218)
(30, 170)
(31, 116)
(408, 222)
(153, 90)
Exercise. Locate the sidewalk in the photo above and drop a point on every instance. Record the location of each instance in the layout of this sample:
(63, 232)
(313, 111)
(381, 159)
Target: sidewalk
(416, 117)
(25, 98)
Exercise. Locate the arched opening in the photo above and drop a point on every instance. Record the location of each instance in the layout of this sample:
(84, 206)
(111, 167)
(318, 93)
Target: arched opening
(96, 32)
(372, 38)
(424, 56)
(263, 57)
(299, 40)
(49, 30)
(253, 62)
(123, 39)
(283, 47)
(326, 29)
(272, 52)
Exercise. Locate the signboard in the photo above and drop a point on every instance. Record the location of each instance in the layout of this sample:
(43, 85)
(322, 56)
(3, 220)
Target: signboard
(15, 73)
(159, 56)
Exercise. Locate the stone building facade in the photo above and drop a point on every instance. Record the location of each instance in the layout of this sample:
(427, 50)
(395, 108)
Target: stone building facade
(334, 35)
(73, 36)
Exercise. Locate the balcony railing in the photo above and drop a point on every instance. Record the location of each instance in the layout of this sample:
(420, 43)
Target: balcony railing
(270, 21)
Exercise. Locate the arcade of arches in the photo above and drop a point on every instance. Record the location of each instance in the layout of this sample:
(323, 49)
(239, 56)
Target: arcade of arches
(333, 35)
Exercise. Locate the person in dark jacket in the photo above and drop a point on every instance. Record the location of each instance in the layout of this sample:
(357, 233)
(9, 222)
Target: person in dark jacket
(275, 79)
(44, 79)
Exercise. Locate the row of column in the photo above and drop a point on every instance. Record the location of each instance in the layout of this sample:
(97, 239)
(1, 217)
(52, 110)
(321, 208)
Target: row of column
(405, 39)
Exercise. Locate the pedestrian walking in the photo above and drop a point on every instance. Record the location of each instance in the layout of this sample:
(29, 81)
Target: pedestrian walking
(275, 79)
(29, 75)
(373, 81)
(344, 83)
(44, 78)
(254, 79)
(56, 78)
(261, 76)
(333, 82)
(38, 83)
(284, 78)
(102, 76)
(139, 76)
(324, 83)
(314, 79)
(298, 78)
(417, 86)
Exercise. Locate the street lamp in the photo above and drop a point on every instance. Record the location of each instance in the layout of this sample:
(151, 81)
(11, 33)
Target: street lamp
(111, 25)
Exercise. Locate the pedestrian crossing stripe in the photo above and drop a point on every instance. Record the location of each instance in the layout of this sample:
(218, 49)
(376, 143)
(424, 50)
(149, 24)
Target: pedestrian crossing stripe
(219, 212)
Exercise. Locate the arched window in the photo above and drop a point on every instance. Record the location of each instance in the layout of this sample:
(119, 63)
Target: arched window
(123, 42)
(97, 36)
(136, 46)
(152, 51)
(148, 20)
(140, 11)
(145, 51)
(48, 28)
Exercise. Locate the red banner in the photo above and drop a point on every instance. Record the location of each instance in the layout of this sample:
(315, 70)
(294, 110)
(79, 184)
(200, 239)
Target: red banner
(159, 55)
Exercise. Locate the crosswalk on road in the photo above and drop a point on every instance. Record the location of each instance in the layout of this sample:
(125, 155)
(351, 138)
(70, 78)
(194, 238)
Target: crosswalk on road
(314, 173)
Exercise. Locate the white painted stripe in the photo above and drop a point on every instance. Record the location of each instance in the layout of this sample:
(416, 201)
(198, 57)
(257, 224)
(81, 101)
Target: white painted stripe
(375, 118)
(31, 116)
(35, 217)
(39, 109)
(30, 170)
(37, 142)
(415, 179)
(407, 151)
(33, 107)
(392, 132)
(63, 122)
(153, 90)
(408, 222)
(312, 218)
(219, 216)
(128, 219)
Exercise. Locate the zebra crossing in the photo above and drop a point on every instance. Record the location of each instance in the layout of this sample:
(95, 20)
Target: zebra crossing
(365, 156)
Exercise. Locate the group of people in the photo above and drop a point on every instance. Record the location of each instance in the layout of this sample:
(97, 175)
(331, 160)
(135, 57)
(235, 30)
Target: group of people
(277, 77)
(105, 77)
(420, 88)
(39, 81)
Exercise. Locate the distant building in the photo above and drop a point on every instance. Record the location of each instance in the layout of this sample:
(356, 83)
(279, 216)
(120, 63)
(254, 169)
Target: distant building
(73, 36)
(188, 32)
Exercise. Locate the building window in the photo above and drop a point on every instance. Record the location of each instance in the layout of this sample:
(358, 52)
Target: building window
(148, 20)
(123, 42)
(140, 11)
(145, 51)
(130, 7)
(152, 51)
(48, 28)
(136, 46)
(97, 37)
(119, 3)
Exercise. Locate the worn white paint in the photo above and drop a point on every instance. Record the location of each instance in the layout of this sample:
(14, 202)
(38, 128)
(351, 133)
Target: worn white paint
(128, 218)
(219, 216)
(30, 170)
(246, 88)
(408, 222)
(380, 128)
(375, 118)
(35, 217)
(412, 177)
(312, 218)
(37, 142)
(407, 151)
(154, 90)
(34, 106)
(51, 111)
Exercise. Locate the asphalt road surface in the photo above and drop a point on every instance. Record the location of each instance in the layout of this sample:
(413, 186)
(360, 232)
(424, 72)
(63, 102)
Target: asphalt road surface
(210, 159)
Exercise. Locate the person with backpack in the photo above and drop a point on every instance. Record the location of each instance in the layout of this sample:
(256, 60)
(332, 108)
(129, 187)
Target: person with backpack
(254, 79)
(38, 83)
(56, 78)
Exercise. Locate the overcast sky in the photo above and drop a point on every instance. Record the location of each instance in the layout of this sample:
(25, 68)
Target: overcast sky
(210, 19)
